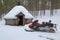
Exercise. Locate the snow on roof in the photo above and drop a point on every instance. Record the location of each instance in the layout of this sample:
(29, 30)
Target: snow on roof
(16, 10)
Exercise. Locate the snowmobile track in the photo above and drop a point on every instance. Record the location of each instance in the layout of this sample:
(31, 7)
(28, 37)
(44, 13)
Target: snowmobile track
(46, 37)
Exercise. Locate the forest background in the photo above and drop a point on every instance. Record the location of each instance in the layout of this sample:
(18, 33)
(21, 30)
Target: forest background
(31, 5)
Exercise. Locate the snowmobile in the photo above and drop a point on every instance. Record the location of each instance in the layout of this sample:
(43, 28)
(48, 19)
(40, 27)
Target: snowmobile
(43, 29)
(44, 26)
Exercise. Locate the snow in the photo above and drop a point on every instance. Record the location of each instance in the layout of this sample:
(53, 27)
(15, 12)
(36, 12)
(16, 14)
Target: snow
(8, 32)
(16, 10)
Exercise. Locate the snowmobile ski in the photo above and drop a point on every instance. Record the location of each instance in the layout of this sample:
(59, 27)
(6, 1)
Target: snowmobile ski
(36, 31)
(29, 30)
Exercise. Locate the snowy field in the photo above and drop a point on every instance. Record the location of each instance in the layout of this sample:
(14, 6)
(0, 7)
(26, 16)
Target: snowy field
(18, 33)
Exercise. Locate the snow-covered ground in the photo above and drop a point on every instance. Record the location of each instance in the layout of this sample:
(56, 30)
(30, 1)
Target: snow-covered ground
(18, 33)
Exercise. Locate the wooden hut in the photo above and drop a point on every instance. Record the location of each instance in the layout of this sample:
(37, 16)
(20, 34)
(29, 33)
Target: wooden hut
(18, 16)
